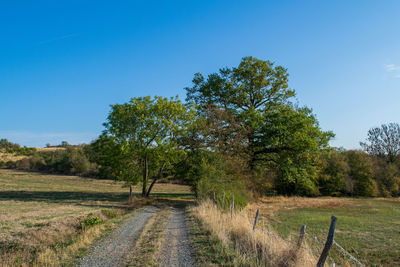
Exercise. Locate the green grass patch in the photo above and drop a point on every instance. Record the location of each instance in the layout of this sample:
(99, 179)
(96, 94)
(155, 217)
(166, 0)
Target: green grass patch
(369, 229)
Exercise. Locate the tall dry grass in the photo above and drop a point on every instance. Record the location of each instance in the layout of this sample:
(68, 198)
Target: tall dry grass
(255, 247)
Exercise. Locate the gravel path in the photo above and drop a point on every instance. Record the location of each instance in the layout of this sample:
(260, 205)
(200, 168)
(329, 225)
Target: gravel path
(176, 249)
(112, 251)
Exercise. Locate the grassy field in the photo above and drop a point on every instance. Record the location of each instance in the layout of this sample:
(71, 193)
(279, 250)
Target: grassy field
(368, 228)
(40, 212)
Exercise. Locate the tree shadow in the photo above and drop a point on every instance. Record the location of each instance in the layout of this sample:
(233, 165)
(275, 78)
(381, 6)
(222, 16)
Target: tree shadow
(90, 199)
(73, 198)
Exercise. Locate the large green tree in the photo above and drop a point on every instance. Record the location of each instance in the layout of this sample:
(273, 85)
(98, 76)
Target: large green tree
(247, 91)
(289, 141)
(144, 133)
(255, 100)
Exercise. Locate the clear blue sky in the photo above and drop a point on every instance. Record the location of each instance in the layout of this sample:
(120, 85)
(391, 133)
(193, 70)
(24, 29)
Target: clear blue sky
(62, 63)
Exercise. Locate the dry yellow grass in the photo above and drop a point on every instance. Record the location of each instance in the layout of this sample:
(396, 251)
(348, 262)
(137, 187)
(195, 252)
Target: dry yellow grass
(44, 149)
(270, 205)
(255, 247)
(10, 157)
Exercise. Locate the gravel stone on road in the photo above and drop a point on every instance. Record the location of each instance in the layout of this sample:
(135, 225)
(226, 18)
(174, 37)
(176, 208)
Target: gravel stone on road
(114, 249)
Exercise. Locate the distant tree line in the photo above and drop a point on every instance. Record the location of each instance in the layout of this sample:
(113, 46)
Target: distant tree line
(9, 147)
(239, 132)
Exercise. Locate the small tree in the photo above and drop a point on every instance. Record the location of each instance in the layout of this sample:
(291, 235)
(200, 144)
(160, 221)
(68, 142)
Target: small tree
(64, 144)
(383, 141)
(146, 131)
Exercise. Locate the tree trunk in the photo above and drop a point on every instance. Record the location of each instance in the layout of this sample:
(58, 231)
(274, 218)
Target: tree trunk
(251, 150)
(145, 176)
(160, 171)
(151, 186)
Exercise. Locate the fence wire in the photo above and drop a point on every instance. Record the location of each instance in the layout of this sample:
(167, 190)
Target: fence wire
(314, 248)
(317, 249)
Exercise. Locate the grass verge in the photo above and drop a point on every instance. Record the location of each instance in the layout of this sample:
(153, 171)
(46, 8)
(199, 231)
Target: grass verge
(68, 254)
(254, 248)
(148, 244)
(208, 249)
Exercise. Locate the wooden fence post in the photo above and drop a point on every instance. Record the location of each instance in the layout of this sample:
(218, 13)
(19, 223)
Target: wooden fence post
(256, 219)
(223, 199)
(214, 197)
(329, 243)
(302, 234)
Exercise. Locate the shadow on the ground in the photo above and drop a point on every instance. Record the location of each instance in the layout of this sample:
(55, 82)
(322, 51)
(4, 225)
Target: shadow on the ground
(90, 199)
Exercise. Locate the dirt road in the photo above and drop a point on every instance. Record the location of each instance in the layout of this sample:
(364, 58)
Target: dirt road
(176, 249)
(114, 250)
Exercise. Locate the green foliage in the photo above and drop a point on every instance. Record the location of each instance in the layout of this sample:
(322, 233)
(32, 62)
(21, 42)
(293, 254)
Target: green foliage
(8, 147)
(73, 160)
(289, 142)
(254, 85)
(110, 213)
(113, 162)
(90, 221)
(79, 161)
(387, 175)
(221, 175)
(361, 172)
(145, 132)
(64, 144)
(334, 173)
(251, 105)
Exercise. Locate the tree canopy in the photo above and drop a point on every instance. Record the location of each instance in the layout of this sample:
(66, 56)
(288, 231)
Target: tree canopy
(249, 109)
(383, 141)
(145, 131)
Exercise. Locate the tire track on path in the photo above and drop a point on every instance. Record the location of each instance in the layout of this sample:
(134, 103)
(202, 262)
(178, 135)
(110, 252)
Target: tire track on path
(176, 249)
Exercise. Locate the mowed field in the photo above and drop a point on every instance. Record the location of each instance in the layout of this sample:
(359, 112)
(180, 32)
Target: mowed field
(40, 214)
(368, 228)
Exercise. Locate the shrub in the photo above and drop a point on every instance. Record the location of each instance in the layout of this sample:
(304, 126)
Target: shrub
(37, 162)
(110, 213)
(221, 176)
(78, 161)
(11, 164)
(90, 221)
(9, 147)
(23, 164)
